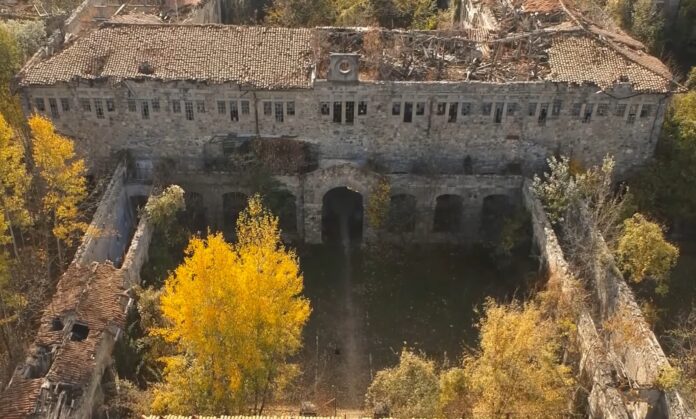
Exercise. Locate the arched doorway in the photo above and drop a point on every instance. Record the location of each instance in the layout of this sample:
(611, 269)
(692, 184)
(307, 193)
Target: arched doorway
(448, 214)
(342, 216)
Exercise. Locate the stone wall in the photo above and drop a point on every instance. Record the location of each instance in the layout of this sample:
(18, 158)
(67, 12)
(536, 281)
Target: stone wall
(607, 359)
(501, 133)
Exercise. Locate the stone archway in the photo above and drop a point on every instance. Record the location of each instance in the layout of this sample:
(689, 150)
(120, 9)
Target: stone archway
(342, 216)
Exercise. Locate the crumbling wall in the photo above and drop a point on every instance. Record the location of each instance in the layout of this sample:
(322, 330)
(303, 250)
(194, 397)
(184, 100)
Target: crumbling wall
(517, 142)
(137, 252)
(609, 358)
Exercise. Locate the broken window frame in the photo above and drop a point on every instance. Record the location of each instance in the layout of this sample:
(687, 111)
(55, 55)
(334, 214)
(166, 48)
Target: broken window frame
(620, 110)
(155, 105)
(645, 110)
(408, 112)
(543, 113)
(245, 107)
(602, 109)
(176, 106)
(350, 112)
(188, 110)
(632, 112)
(441, 108)
(99, 108)
(511, 109)
(498, 115)
(466, 108)
(290, 108)
(452, 112)
(587, 113)
(39, 104)
(556, 108)
(362, 108)
(486, 108)
(396, 109)
(65, 104)
(53, 107)
(145, 109)
(132, 106)
(221, 107)
(324, 108)
(110, 105)
(200, 106)
(532, 109)
(267, 108)
(278, 112)
(86, 105)
(420, 108)
(234, 111)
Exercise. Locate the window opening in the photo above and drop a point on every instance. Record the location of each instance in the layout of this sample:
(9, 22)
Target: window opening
(79, 332)
(290, 108)
(350, 112)
(396, 108)
(155, 105)
(577, 107)
(145, 110)
(420, 108)
(498, 112)
(632, 114)
(131, 105)
(645, 111)
(188, 108)
(620, 110)
(110, 105)
(337, 110)
(65, 104)
(362, 108)
(532, 109)
(511, 109)
(589, 107)
(441, 108)
(543, 113)
(278, 111)
(200, 106)
(453, 110)
(234, 112)
(222, 107)
(602, 109)
(53, 105)
(86, 105)
(39, 104)
(267, 108)
(408, 112)
(486, 109)
(324, 108)
(99, 108)
(176, 106)
(245, 107)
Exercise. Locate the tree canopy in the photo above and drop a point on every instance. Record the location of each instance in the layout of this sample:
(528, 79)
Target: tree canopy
(14, 182)
(236, 313)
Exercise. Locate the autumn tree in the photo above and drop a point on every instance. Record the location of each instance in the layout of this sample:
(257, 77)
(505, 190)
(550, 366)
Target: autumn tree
(514, 373)
(643, 252)
(301, 13)
(61, 179)
(29, 34)
(409, 389)
(10, 62)
(14, 182)
(236, 314)
(378, 205)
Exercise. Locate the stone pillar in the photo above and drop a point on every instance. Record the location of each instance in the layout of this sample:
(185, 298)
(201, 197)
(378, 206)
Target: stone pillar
(312, 223)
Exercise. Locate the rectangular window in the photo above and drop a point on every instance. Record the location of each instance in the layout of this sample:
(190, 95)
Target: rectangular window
(278, 111)
(155, 105)
(200, 106)
(645, 111)
(408, 112)
(267, 108)
(99, 108)
(86, 105)
(602, 109)
(420, 108)
(543, 113)
(350, 112)
(575, 111)
(131, 105)
(145, 109)
(324, 108)
(466, 108)
(234, 112)
(188, 108)
(441, 108)
(245, 107)
(290, 108)
(396, 108)
(587, 116)
(110, 105)
(511, 109)
(222, 107)
(486, 108)
(499, 112)
(453, 111)
(39, 104)
(65, 104)
(632, 111)
(362, 108)
(53, 106)
(337, 110)
(176, 106)
(532, 109)
(556, 109)
(620, 110)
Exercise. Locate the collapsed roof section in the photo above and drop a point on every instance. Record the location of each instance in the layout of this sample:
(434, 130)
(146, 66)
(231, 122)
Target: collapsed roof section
(498, 41)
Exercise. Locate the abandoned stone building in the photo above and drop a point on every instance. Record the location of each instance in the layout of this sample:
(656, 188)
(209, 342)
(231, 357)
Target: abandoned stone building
(523, 80)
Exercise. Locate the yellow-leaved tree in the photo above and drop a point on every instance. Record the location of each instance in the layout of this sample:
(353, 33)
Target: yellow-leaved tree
(516, 372)
(236, 314)
(61, 181)
(14, 182)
